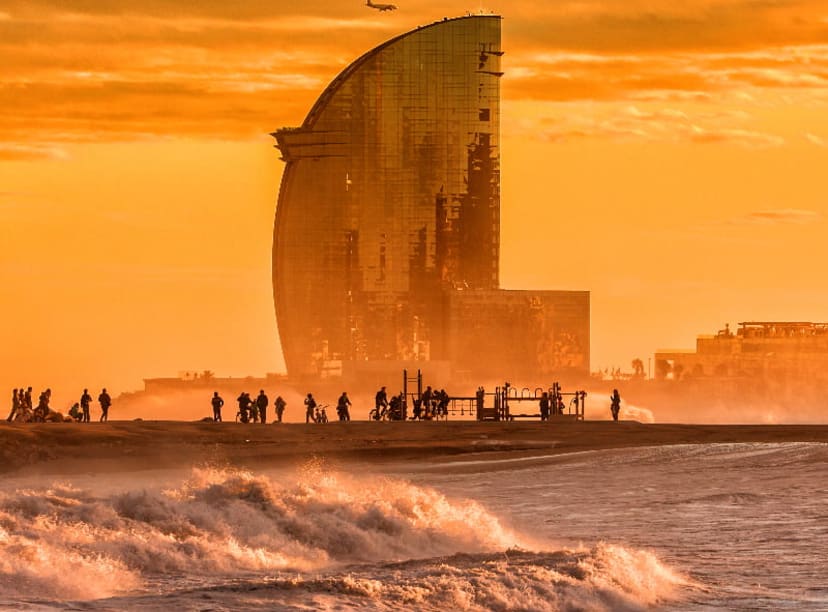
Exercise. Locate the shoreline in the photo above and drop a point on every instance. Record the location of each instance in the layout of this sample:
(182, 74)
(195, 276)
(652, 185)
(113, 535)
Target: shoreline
(123, 446)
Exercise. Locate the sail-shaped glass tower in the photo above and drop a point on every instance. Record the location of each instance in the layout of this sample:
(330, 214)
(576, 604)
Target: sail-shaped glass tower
(386, 244)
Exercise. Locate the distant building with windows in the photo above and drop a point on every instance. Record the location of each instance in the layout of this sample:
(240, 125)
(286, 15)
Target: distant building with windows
(773, 351)
(387, 236)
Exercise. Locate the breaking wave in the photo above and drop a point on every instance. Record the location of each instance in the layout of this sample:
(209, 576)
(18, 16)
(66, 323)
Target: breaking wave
(324, 534)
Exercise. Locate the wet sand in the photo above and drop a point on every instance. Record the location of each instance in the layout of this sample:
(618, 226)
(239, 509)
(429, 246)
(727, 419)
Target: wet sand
(54, 448)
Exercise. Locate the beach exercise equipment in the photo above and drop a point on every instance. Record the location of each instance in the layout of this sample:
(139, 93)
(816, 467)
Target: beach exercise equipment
(500, 405)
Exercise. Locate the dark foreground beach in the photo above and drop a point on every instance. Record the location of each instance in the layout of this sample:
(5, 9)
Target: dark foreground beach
(117, 446)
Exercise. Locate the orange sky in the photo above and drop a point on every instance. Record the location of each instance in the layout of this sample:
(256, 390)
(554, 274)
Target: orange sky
(670, 159)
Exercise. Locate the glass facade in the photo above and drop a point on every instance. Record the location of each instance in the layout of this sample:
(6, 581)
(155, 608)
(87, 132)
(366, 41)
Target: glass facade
(390, 201)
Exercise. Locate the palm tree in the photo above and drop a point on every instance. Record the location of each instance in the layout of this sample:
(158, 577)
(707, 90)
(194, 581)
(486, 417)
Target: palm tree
(638, 368)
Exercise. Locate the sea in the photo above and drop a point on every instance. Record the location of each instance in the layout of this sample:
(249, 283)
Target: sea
(690, 527)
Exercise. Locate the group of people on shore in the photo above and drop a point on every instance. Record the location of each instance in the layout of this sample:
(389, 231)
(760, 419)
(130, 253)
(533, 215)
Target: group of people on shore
(250, 410)
(430, 405)
(314, 413)
(551, 404)
(23, 410)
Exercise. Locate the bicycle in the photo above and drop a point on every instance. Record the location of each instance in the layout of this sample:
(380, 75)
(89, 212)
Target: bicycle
(378, 413)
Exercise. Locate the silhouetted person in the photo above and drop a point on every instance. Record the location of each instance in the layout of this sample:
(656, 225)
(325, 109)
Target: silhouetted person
(244, 405)
(417, 412)
(381, 399)
(310, 406)
(615, 404)
(85, 400)
(217, 403)
(252, 409)
(479, 399)
(261, 403)
(75, 413)
(342, 407)
(15, 406)
(544, 406)
(395, 408)
(381, 402)
(279, 404)
(105, 401)
(42, 410)
(321, 416)
(24, 412)
(442, 402)
(425, 403)
(27, 399)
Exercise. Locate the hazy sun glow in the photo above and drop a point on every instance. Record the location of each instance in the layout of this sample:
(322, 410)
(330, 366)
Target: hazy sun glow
(668, 158)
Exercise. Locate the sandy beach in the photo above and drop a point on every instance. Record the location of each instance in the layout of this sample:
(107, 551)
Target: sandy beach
(51, 448)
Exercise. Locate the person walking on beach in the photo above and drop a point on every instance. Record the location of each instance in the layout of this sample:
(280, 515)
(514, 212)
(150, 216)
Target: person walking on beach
(105, 401)
(615, 404)
(15, 405)
(85, 400)
(342, 407)
(261, 403)
(217, 403)
(310, 406)
(279, 404)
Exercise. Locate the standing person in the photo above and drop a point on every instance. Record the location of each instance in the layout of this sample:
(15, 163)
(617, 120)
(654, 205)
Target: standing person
(15, 406)
(310, 406)
(105, 401)
(27, 399)
(261, 403)
(443, 402)
(544, 406)
(85, 400)
(381, 403)
(244, 405)
(42, 410)
(252, 408)
(217, 403)
(342, 407)
(425, 403)
(279, 404)
(615, 404)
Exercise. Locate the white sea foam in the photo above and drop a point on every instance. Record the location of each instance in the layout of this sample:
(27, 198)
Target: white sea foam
(399, 542)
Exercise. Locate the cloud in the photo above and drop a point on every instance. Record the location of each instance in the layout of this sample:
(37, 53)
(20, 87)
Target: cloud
(25, 152)
(135, 69)
(564, 75)
(745, 138)
(647, 124)
(816, 140)
(782, 216)
(645, 26)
